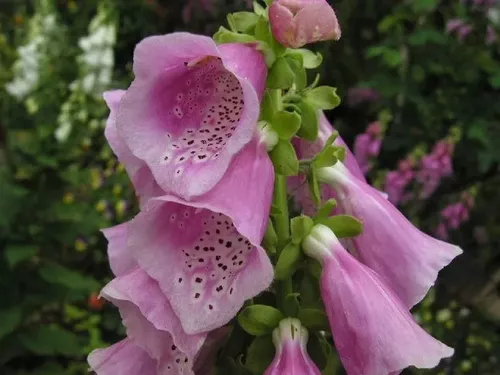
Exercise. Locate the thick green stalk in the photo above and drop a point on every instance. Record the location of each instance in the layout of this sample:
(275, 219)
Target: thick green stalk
(281, 218)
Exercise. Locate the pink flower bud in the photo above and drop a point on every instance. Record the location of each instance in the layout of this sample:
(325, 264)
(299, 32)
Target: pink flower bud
(290, 340)
(296, 23)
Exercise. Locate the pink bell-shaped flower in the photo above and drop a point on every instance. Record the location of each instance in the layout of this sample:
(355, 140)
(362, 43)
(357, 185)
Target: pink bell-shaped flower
(296, 23)
(373, 331)
(192, 107)
(407, 259)
(205, 253)
(290, 339)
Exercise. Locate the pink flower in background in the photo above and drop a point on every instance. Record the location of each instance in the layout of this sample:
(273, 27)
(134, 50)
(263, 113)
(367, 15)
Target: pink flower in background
(291, 358)
(454, 215)
(463, 32)
(454, 24)
(360, 95)
(491, 35)
(397, 181)
(373, 330)
(191, 108)
(367, 146)
(434, 167)
(295, 23)
(407, 259)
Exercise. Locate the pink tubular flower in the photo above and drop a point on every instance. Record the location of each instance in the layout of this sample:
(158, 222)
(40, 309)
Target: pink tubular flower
(296, 23)
(454, 215)
(367, 146)
(373, 330)
(191, 108)
(406, 258)
(290, 339)
(491, 35)
(205, 253)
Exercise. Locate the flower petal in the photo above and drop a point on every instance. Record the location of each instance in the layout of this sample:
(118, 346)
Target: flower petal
(122, 358)
(406, 258)
(120, 258)
(149, 318)
(205, 253)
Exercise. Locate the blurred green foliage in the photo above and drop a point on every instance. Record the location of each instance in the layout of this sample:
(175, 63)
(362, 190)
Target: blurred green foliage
(60, 183)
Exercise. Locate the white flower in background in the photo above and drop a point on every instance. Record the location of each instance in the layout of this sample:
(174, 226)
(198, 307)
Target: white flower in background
(31, 55)
(96, 63)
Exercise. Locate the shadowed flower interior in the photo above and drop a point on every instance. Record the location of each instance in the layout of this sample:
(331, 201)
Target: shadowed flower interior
(208, 106)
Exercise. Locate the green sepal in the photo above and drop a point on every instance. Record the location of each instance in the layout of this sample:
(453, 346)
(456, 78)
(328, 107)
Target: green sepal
(325, 210)
(224, 35)
(263, 32)
(297, 66)
(300, 227)
(259, 320)
(268, 107)
(326, 157)
(242, 21)
(288, 261)
(323, 97)
(260, 354)
(285, 159)
(281, 75)
(343, 225)
(310, 59)
(310, 122)
(314, 319)
(259, 9)
(286, 124)
(314, 187)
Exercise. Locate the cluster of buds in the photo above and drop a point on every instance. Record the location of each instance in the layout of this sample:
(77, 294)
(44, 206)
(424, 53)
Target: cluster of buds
(213, 133)
(398, 181)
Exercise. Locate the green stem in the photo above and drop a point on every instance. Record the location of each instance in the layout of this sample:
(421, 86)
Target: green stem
(281, 218)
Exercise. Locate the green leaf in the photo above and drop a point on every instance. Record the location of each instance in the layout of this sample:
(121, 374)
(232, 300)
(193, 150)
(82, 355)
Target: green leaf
(270, 238)
(310, 59)
(291, 305)
(343, 225)
(326, 158)
(11, 199)
(310, 295)
(268, 107)
(18, 253)
(288, 261)
(300, 227)
(310, 121)
(259, 320)
(314, 187)
(9, 320)
(57, 274)
(242, 21)
(281, 75)
(285, 159)
(323, 97)
(299, 71)
(325, 211)
(260, 354)
(224, 35)
(424, 5)
(314, 319)
(263, 32)
(286, 124)
(50, 340)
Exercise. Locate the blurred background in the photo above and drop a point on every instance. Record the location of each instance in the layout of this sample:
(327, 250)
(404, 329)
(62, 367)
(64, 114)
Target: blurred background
(420, 84)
